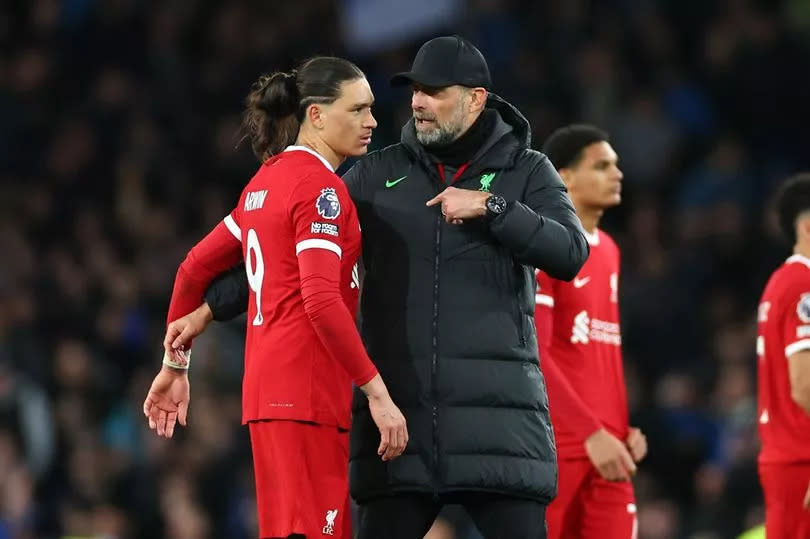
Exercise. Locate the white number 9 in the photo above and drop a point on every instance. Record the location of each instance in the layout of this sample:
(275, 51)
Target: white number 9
(255, 275)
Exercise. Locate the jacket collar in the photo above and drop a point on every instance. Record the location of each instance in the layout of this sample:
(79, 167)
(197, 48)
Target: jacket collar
(510, 134)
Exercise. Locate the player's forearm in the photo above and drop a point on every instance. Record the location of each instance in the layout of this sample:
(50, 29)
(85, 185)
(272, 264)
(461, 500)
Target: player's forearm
(218, 251)
(336, 330)
(565, 404)
(375, 388)
(332, 321)
(187, 295)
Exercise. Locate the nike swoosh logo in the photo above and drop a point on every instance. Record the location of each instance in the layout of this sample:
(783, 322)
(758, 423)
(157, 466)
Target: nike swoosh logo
(391, 183)
(579, 283)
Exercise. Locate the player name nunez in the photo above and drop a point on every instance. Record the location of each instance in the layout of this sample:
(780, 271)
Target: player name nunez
(254, 200)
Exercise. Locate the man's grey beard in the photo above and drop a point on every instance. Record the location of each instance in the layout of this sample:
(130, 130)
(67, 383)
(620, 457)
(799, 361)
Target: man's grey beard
(444, 135)
(440, 137)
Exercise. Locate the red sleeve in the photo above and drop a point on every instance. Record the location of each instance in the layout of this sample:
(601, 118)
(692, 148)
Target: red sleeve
(563, 399)
(320, 209)
(544, 303)
(333, 323)
(796, 325)
(215, 253)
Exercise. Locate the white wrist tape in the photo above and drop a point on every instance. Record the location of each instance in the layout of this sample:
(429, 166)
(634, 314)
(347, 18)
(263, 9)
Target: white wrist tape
(182, 362)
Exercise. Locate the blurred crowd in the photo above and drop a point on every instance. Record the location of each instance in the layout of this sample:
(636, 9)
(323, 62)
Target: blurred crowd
(119, 147)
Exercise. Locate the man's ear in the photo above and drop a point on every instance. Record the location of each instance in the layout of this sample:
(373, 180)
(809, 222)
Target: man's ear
(803, 226)
(316, 114)
(566, 175)
(478, 99)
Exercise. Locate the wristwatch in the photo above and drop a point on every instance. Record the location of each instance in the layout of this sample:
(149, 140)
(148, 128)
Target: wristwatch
(496, 205)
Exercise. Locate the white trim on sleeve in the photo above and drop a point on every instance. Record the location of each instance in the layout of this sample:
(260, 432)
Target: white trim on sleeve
(316, 243)
(798, 346)
(233, 227)
(542, 299)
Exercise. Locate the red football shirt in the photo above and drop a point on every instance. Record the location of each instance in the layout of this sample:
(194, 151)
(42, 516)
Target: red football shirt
(294, 203)
(784, 329)
(297, 229)
(580, 349)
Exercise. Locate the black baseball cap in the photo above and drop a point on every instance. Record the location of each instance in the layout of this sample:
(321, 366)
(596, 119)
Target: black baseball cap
(445, 61)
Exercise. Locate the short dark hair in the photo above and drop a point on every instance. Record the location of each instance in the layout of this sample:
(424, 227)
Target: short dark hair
(792, 200)
(564, 146)
(277, 102)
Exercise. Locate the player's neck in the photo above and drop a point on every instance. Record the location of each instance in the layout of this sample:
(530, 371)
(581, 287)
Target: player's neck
(590, 218)
(316, 144)
(802, 248)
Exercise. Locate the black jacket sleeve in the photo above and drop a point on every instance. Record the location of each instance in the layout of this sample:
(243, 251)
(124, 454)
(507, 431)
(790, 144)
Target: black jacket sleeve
(227, 296)
(543, 229)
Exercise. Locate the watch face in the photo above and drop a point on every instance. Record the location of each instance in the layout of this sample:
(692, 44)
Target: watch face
(496, 204)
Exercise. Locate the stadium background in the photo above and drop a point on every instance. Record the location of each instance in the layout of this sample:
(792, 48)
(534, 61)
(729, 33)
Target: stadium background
(118, 127)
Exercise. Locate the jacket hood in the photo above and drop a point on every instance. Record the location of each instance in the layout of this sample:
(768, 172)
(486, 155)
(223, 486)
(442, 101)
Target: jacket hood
(512, 117)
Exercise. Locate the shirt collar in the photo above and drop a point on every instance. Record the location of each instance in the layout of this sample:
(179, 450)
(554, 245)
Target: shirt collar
(800, 259)
(310, 151)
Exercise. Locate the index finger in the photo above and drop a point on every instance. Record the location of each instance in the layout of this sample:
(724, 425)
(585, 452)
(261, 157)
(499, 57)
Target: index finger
(628, 464)
(171, 334)
(435, 200)
(182, 339)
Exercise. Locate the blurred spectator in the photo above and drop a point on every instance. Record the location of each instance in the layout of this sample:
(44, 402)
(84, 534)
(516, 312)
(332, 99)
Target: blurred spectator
(26, 411)
(118, 147)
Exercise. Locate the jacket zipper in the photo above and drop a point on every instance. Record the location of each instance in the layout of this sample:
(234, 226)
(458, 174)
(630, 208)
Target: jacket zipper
(435, 360)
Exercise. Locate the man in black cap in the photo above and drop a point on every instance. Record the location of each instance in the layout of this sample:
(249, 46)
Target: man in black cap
(447, 305)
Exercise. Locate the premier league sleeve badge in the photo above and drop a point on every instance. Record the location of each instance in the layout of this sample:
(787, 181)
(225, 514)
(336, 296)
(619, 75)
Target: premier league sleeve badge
(328, 204)
(803, 308)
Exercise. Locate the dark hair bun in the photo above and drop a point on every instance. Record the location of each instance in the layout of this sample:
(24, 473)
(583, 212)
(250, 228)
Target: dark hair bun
(278, 94)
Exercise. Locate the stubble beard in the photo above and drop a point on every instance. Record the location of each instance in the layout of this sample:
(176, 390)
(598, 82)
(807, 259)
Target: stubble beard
(444, 135)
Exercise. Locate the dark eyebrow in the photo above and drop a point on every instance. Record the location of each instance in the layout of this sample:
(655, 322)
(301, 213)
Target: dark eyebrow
(605, 161)
(430, 90)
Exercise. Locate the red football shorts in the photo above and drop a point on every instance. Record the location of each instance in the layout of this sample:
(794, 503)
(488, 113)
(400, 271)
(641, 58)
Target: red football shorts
(302, 479)
(784, 486)
(589, 507)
